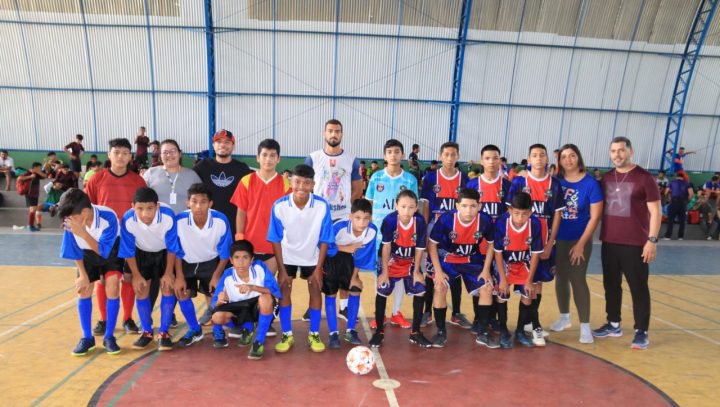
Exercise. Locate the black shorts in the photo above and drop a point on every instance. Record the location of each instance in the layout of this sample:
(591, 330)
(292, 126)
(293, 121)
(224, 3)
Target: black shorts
(305, 271)
(96, 266)
(151, 264)
(338, 273)
(31, 201)
(198, 276)
(243, 311)
(263, 256)
(75, 165)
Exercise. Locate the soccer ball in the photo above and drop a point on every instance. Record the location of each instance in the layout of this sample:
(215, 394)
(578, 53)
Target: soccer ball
(360, 360)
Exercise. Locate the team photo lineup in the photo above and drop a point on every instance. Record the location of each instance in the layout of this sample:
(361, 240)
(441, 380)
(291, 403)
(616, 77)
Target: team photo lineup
(239, 238)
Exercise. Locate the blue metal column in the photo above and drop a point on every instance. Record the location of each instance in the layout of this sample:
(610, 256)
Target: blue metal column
(210, 45)
(459, 62)
(698, 32)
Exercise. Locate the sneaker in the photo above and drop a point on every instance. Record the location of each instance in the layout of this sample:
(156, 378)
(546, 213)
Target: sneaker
(641, 340)
(111, 346)
(439, 340)
(99, 329)
(38, 226)
(190, 338)
(285, 343)
(427, 319)
(522, 339)
(506, 340)
(306, 316)
(334, 341)
(529, 331)
(586, 335)
(33, 228)
(343, 314)
(708, 238)
(235, 332)
(420, 340)
(85, 346)
(351, 336)
(607, 330)
(475, 328)
(245, 338)
(537, 337)
(561, 325)
(206, 318)
(173, 322)
(219, 340)
(256, 351)
(143, 341)
(131, 327)
(399, 320)
(460, 320)
(484, 339)
(164, 341)
(665, 238)
(315, 344)
(373, 324)
(680, 238)
(377, 339)
(272, 332)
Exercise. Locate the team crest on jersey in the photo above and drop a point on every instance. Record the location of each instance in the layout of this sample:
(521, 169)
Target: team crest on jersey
(458, 189)
(453, 235)
(526, 189)
(413, 237)
(380, 187)
(396, 235)
(480, 192)
(437, 188)
(476, 235)
(548, 193)
(501, 194)
(528, 241)
(506, 241)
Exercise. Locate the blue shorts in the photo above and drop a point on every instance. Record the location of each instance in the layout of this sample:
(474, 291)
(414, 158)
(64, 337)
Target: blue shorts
(469, 273)
(416, 289)
(545, 270)
(46, 206)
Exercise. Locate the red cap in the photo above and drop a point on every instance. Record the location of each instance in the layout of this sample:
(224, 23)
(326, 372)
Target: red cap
(223, 134)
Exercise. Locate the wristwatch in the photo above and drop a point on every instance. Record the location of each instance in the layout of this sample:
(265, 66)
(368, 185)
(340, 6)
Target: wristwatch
(652, 239)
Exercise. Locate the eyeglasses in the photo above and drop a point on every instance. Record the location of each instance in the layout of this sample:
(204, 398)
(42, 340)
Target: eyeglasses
(169, 152)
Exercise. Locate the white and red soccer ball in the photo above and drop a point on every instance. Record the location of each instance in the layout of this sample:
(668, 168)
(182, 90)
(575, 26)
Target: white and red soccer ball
(360, 360)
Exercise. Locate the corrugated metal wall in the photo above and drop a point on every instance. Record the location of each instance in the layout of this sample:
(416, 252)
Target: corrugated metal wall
(579, 71)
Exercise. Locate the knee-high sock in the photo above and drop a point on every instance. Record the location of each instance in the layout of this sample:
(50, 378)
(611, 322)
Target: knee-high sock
(113, 308)
(493, 307)
(331, 313)
(502, 314)
(429, 291)
(128, 299)
(456, 295)
(353, 309)
(218, 331)
(188, 309)
(315, 316)
(380, 304)
(85, 314)
(523, 311)
(418, 304)
(286, 319)
(535, 316)
(263, 326)
(101, 300)
(483, 315)
(476, 308)
(440, 318)
(31, 218)
(167, 306)
(398, 294)
(144, 309)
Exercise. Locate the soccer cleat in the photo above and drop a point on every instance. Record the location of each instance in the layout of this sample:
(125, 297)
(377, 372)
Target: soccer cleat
(206, 318)
(373, 324)
(143, 341)
(506, 340)
(99, 329)
(256, 351)
(377, 339)
(484, 339)
(522, 339)
(537, 337)
(460, 320)
(334, 341)
(85, 346)
(285, 343)
(315, 344)
(607, 330)
(164, 341)
(417, 338)
(641, 340)
(427, 319)
(561, 325)
(190, 338)
(271, 332)
(111, 346)
(306, 316)
(439, 340)
(399, 320)
(245, 338)
(131, 327)
(219, 340)
(351, 336)
(173, 322)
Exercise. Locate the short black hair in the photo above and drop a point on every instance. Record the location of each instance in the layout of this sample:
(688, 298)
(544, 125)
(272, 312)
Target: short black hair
(361, 205)
(72, 202)
(661, 172)
(51, 153)
(269, 144)
(393, 143)
(621, 139)
(200, 189)
(145, 195)
(417, 146)
(490, 147)
(303, 170)
(406, 193)
(242, 246)
(373, 162)
(537, 145)
(36, 164)
(714, 178)
(120, 143)
(334, 122)
(503, 159)
(521, 201)
(93, 156)
(434, 162)
(362, 162)
(449, 144)
(4, 151)
(468, 193)
(79, 137)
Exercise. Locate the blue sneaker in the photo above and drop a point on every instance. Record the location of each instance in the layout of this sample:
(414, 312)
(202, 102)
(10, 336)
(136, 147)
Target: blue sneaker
(607, 330)
(111, 346)
(334, 341)
(505, 340)
(641, 340)
(85, 346)
(190, 338)
(522, 339)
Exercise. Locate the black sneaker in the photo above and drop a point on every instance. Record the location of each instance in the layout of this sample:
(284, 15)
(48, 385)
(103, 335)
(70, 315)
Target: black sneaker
(85, 346)
(334, 341)
(99, 329)
(164, 341)
(143, 341)
(271, 331)
(256, 351)
(220, 341)
(484, 339)
(343, 314)
(190, 338)
(351, 336)
(377, 339)
(420, 340)
(506, 340)
(173, 322)
(306, 316)
(439, 340)
(111, 346)
(131, 327)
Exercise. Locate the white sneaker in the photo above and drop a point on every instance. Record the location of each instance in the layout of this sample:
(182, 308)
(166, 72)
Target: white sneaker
(561, 324)
(529, 330)
(586, 334)
(537, 337)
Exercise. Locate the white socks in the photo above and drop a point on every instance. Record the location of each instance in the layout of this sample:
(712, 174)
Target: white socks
(585, 333)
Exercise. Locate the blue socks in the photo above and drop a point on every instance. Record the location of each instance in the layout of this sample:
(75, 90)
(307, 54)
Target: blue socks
(218, 331)
(188, 310)
(286, 319)
(249, 326)
(263, 324)
(315, 315)
(167, 306)
(353, 309)
(144, 310)
(330, 313)
(113, 307)
(85, 313)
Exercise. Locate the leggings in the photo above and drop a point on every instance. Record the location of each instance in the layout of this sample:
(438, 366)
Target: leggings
(569, 275)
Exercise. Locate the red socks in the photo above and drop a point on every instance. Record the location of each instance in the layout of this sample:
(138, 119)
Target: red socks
(101, 299)
(128, 299)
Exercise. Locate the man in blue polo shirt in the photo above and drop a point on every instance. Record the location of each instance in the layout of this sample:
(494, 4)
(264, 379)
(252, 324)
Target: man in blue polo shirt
(679, 193)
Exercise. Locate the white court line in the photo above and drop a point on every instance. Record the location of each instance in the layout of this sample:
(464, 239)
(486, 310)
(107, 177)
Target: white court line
(50, 311)
(674, 325)
(389, 393)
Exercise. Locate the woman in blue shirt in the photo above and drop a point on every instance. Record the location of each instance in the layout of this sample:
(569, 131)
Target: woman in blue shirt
(580, 218)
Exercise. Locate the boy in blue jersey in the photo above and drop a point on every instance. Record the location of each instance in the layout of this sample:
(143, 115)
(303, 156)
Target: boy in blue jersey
(245, 293)
(148, 243)
(382, 191)
(353, 249)
(204, 238)
(518, 246)
(454, 249)
(300, 232)
(90, 239)
(403, 243)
